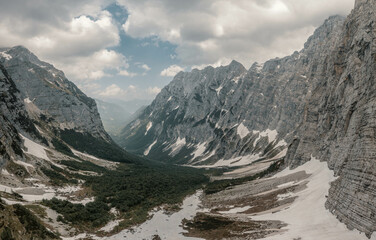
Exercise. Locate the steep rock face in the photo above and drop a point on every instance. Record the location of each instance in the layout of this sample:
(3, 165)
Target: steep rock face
(230, 113)
(55, 107)
(13, 119)
(340, 121)
(51, 93)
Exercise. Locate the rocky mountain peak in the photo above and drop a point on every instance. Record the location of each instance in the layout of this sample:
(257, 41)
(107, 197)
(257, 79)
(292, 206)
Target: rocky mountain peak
(51, 99)
(21, 54)
(236, 65)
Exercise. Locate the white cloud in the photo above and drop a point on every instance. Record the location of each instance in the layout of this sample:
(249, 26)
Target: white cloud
(112, 91)
(171, 71)
(145, 67)
(127, 74)
(72, 35)
(245, 30)
(131, 92)
(153, 90)
(83, 68)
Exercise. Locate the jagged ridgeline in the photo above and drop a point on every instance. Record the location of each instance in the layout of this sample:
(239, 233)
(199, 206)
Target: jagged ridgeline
(317, 102)
(230, 115)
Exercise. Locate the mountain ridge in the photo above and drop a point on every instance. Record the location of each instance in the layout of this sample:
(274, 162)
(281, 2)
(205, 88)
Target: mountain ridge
(318, 102)
(211, 106)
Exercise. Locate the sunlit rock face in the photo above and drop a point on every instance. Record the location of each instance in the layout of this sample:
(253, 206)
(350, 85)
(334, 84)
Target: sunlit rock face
(230, 115)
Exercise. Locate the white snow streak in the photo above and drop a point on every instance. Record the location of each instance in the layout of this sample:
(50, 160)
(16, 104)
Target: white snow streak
(175, 148)
(218, 90)
(236, 210)
(200, 149)
(149, 148)
(148, 126)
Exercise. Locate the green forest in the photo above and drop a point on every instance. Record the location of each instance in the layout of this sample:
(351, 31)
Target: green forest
(133, 189)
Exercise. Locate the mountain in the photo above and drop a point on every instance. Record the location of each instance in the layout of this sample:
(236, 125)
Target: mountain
(230, 115)
(61, 175)
(318, 102)
(113, 116)
(339, 121)
(56, 106)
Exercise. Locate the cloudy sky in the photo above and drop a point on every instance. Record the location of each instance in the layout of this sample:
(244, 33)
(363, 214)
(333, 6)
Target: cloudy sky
(130, 49)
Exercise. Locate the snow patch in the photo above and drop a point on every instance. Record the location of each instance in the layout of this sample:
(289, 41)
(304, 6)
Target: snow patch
(148, 126)
(6, 55)
(23, 163)
(49, 194)
(162, 224)
(242, 131)
(175, 148)
(34, 148)
(83, 201)
(149, 148)
(313, 222)
(200, 149)
(27, 100)
(281, 143)
(271, 134)
(236, 210)
(218, 90)
(4, 172)
(77, 153)
(110, 226)
(137, 123)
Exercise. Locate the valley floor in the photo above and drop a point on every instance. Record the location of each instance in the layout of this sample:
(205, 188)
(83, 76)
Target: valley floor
(289, 205)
